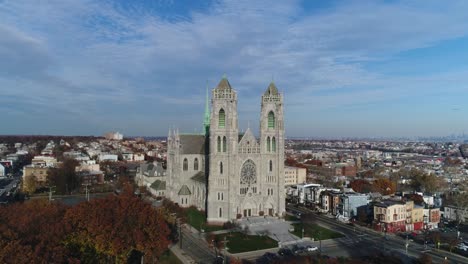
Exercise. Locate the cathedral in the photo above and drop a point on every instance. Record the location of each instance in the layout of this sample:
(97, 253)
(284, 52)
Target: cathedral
(227, 174)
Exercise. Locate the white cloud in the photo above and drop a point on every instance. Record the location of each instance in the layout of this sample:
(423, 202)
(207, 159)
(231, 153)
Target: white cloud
(89, 54)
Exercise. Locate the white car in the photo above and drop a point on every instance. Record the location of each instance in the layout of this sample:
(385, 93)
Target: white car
(463, 247)
(311, 248)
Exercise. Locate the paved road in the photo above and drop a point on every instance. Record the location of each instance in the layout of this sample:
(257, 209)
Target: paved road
(196, 247)
(360, 241)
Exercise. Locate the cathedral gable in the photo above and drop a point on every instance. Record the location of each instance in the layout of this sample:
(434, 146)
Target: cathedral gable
(248, 143)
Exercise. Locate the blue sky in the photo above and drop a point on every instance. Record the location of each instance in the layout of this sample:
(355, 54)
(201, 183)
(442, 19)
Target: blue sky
(346, 68)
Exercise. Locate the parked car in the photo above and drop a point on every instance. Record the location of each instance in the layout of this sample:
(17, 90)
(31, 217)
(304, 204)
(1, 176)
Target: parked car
(297, 250)
(311, 248)
(462, 246)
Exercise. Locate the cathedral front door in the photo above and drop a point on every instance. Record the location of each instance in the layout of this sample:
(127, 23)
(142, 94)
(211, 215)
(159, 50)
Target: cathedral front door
(247, 212)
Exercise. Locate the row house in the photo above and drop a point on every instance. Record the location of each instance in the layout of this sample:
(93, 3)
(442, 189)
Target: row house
(350, 203)
(313, 196)
(329, 201)
(431, 218)
(414, 216)
(390, 216)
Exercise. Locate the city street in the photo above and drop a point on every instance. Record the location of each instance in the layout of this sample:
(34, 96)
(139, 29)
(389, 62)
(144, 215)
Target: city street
(361, 241)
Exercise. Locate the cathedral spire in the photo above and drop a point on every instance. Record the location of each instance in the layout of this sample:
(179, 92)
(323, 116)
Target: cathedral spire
(206, 120)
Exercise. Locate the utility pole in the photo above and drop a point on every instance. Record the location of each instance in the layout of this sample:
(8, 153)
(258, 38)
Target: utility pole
(406, 245)
(87, 191)
(320, 241)
(50, 193)
(225, 249)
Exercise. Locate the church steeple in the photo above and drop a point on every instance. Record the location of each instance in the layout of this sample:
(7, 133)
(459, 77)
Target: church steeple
(206, 119)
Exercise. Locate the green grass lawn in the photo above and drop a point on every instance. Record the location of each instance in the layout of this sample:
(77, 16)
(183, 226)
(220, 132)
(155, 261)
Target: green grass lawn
(315, 231)
(169, 258)
(238, 242)
(197, 219)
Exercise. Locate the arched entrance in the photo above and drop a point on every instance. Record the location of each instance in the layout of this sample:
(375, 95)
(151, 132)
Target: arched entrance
(249, 209)
(269, 209)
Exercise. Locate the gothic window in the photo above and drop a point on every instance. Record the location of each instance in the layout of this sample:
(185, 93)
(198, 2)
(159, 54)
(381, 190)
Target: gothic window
(220, 168)
(268, 144)
(224, 144)
(222, 196)
(219, 144)
(222, 119)
(248, 173)
(218, 197)
(271, 120)
(271, 166)
(220, 212)
(273, 144)
(185, 164)
(195, 164)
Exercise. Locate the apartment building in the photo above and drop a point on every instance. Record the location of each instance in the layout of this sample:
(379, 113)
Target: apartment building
(390, 216)
(294, 175)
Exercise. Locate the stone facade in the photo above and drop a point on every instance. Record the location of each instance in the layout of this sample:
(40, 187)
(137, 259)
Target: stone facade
(236, 175)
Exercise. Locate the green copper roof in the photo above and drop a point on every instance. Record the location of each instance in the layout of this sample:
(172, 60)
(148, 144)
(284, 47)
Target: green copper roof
(184, 190)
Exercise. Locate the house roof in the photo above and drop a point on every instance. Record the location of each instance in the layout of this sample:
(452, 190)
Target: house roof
(158, 185)
(151, 169)
(192, 144)
(199, 177)
(184, 190)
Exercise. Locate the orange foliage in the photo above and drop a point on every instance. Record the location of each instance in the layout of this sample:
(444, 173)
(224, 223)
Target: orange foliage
(32, 231)
(361, 186)
(117, 225)
(53, 233)
(384, 186)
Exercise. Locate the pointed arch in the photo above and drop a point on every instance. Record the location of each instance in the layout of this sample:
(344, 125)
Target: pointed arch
(185, 165)
(273, 144)
(221, 118)
(268, 144)
(270, 166)
(271, 119)
(224, 144)
(221, 168)
(195, 164)
(219, 144)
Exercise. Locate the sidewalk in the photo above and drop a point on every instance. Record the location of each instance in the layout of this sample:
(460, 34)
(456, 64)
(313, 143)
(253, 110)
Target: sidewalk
(181, 255)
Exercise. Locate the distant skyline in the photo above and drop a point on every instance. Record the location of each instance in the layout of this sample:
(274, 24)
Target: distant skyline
(346, 68)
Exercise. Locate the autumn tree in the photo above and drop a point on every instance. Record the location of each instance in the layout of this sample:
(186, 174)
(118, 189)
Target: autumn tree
(33, 231)
(116, 226)
(64, 177)
(460, 200)
(361, 186)
(29, 184)
(425, 259)
(384, 186)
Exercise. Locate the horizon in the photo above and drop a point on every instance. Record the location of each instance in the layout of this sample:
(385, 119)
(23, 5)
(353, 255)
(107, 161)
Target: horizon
(396, 70)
